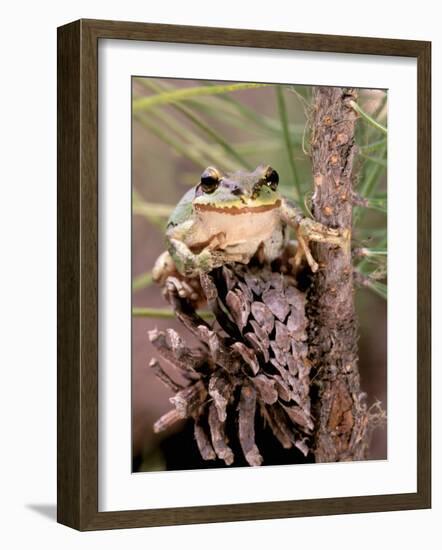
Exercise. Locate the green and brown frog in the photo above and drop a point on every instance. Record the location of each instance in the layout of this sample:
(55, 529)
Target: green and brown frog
(229, 218)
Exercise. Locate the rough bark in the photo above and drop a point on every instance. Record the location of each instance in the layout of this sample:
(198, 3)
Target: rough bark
(341, 431)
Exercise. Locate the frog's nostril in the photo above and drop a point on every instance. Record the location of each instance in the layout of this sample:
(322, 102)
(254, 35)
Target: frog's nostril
(236, 190)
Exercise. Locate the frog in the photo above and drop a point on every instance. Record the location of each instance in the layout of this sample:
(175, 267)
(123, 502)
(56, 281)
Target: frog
(228, 218)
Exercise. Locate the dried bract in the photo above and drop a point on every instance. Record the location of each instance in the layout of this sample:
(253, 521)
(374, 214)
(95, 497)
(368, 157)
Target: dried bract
(251, 361)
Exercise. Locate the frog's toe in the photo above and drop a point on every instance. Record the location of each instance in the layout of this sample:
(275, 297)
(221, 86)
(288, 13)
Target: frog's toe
(163, 267)
(181, 287)
(218, 241)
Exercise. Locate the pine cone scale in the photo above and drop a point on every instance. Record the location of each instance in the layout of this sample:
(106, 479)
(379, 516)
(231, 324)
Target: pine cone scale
(252, 359)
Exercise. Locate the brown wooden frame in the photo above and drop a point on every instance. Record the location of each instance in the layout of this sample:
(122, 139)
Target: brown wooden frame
(77, 224)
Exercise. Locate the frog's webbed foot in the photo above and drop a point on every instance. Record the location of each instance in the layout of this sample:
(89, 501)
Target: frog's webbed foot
(218, 255)
(166, 274)
(211, 259)
(310, 230)
(183, 288)
(190, 264)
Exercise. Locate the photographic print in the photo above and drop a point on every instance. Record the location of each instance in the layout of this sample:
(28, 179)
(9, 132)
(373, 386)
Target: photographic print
(259, 263)
(227, 336)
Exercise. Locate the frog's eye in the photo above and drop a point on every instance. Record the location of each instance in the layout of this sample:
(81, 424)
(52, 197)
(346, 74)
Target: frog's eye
(272, 178)
(209, 180)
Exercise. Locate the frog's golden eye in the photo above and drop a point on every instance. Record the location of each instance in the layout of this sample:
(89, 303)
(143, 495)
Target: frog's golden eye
(272, 178)
(210, 179)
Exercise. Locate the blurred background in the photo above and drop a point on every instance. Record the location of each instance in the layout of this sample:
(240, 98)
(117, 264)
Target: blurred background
(179, 128)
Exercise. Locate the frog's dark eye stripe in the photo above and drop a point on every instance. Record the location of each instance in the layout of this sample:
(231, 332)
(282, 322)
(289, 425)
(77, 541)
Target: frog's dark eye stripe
(209, 180)
(272, 178)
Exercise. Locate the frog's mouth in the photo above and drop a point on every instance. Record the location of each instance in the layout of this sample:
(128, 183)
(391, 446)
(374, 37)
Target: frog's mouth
(235, 210)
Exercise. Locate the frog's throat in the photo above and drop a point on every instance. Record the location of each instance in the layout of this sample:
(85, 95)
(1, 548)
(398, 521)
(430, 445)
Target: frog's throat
(235, 210)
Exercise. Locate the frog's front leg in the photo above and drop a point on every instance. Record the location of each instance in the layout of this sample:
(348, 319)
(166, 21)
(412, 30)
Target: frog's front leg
(190, 264)
(310, 230)
(187, 262)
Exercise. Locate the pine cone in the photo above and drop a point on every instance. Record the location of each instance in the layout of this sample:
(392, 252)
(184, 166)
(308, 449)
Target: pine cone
(253, 357)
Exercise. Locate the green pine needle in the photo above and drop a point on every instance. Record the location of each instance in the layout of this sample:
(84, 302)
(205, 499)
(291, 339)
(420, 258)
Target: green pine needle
(184, 94)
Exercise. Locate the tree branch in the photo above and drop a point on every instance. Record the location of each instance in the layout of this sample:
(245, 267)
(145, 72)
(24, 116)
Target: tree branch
(341, 414)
